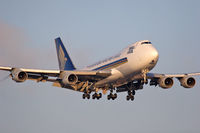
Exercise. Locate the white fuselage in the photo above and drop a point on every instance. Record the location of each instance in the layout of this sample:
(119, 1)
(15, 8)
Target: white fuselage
(128, 65)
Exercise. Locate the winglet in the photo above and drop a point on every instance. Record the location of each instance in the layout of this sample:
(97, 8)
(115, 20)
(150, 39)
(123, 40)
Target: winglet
(64, 60)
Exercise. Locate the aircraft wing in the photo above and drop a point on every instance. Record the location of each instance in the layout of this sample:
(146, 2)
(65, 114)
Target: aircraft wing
(166, 80)
(53, 73)
(163, 80)
(43, 75)
(157, 75)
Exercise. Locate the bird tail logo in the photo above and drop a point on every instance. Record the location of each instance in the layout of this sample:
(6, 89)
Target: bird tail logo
(64, 60)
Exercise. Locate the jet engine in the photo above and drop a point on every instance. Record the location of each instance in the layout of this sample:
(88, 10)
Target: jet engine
(187, 82)
(166, 83)
(19, 75)
(69, 78)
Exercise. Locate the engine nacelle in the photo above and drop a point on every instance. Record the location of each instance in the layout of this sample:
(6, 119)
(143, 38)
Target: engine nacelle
(19, 75)
(69, 78)
(187, 82)
(166, 83)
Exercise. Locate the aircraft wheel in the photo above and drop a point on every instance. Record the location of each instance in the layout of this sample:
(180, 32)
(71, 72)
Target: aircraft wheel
(133, 92)
(129, 92)
(93, 96)
(108, 97)
(83, 96)
(127, 97)
(115, 95)
(100, 95)
(88, 96)
(132, 98)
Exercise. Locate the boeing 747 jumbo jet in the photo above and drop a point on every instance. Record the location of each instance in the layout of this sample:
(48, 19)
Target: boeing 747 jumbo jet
(127, 71)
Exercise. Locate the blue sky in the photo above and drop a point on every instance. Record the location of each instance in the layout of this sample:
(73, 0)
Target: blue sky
(91, 31)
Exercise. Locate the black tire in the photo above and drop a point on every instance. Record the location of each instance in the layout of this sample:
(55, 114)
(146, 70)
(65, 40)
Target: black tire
(83, 96)
(108, 97)
(133, 92)
(100, 95)
(93, 96)
(115, 95)
(132, 98)
(127, 97)
(129, 92)
(88, 96)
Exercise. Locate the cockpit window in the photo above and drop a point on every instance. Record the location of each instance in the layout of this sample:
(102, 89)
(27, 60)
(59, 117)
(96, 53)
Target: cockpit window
(130, 50)
(146, 43)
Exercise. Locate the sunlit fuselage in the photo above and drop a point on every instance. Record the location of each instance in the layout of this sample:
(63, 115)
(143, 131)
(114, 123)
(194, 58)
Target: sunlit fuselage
(135, 59)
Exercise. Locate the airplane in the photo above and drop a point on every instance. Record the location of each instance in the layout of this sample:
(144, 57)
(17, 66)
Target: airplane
(127, 71)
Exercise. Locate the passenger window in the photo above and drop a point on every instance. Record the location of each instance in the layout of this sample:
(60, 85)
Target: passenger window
(130, 50)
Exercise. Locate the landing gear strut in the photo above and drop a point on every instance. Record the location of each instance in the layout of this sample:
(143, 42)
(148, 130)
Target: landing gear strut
(86, 88)
(131, 89)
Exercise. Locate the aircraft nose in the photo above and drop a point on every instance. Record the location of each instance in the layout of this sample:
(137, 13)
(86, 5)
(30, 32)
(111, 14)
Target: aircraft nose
(155, 54)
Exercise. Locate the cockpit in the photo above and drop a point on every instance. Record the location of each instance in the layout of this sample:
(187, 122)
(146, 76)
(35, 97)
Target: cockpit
(145, 43)
(132, 47)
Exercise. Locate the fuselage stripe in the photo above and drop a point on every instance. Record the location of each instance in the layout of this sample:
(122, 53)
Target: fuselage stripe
(112, 64)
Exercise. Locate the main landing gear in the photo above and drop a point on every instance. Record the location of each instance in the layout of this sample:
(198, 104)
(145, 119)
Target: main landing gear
(130, 95)
(86, 95)
(111, 95)
(131, 87)
(97, 96)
